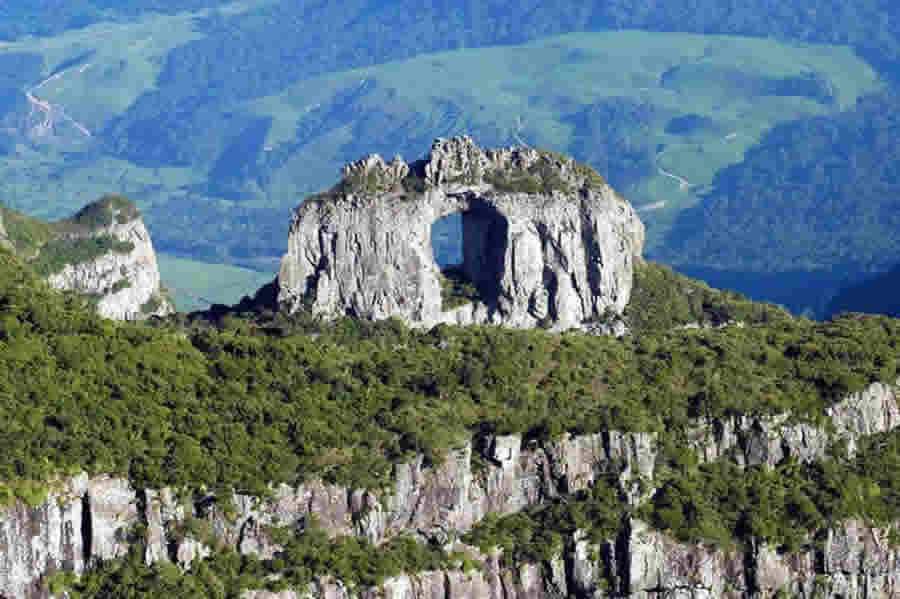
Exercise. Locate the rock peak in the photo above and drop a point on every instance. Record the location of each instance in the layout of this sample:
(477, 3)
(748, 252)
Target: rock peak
(546, 242)
(373, 175)
(460, 162)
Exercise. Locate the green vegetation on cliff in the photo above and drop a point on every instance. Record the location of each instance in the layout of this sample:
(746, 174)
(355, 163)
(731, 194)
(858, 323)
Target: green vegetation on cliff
(57, 254)
(457, 289)
(105, 212)
(49, 247)
(786, 506)
(248, 404)
(26, 234)
(662, 300)
(305, 557)
(538, 534)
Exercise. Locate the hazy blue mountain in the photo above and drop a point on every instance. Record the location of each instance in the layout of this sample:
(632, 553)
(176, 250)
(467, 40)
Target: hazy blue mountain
(878, 295)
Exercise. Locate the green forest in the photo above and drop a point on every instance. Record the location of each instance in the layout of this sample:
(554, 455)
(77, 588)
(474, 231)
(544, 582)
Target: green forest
(790, 154)
(245, 404)
(233, 400)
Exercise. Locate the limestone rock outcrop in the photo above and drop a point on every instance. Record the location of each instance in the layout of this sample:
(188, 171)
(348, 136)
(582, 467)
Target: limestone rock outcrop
(546, 242)
(125, 279)
(5, 243)
(768, 440)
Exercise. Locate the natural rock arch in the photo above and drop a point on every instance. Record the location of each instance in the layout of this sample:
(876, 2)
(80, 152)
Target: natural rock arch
(547, 241)
(479, 271)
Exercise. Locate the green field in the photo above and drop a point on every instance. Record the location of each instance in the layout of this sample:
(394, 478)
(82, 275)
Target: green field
(196, 285)
(527, 92)
(91, 76)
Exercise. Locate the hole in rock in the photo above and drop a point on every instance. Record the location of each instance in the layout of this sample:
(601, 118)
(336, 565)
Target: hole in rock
(469, 248)
(447, 241)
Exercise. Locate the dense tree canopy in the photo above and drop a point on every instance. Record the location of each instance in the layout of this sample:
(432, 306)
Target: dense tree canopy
(245, 405)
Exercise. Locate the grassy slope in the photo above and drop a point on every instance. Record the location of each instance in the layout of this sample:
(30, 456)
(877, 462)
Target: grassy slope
(530, 92)
(94, 74)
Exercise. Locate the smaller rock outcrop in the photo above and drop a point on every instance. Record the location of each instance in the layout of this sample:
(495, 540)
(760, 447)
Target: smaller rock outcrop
(546, 242)
(769, 440)
(5, 241)
(103, 252)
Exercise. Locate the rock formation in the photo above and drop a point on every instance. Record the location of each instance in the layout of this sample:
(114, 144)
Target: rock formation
(87, 520)
(856, 562)
(754, 441)
(5, 243)
(546, 242)
(125, 279)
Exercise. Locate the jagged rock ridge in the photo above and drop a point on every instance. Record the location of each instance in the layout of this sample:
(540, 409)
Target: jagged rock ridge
(546, 241)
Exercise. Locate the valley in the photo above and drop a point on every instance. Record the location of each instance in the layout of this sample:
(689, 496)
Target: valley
(614, 99)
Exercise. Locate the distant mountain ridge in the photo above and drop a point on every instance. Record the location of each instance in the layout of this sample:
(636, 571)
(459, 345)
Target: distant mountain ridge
(133, 96)
(820, 196)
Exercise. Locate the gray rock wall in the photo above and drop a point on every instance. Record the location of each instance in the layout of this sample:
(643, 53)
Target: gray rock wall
(124, 283)
(856, 562)
(753, 441)
(560, 258)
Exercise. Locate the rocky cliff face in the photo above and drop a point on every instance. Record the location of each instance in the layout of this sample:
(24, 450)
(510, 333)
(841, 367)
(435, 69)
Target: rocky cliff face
(87, 520)
(125, 280)
(855, 562)
(4, 235)
(754, 441)
(546, 242)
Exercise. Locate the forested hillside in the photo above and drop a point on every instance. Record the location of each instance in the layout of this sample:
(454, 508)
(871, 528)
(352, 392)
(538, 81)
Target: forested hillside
(49, 17)
(226, 402)
(878, 295)
(818, 200)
